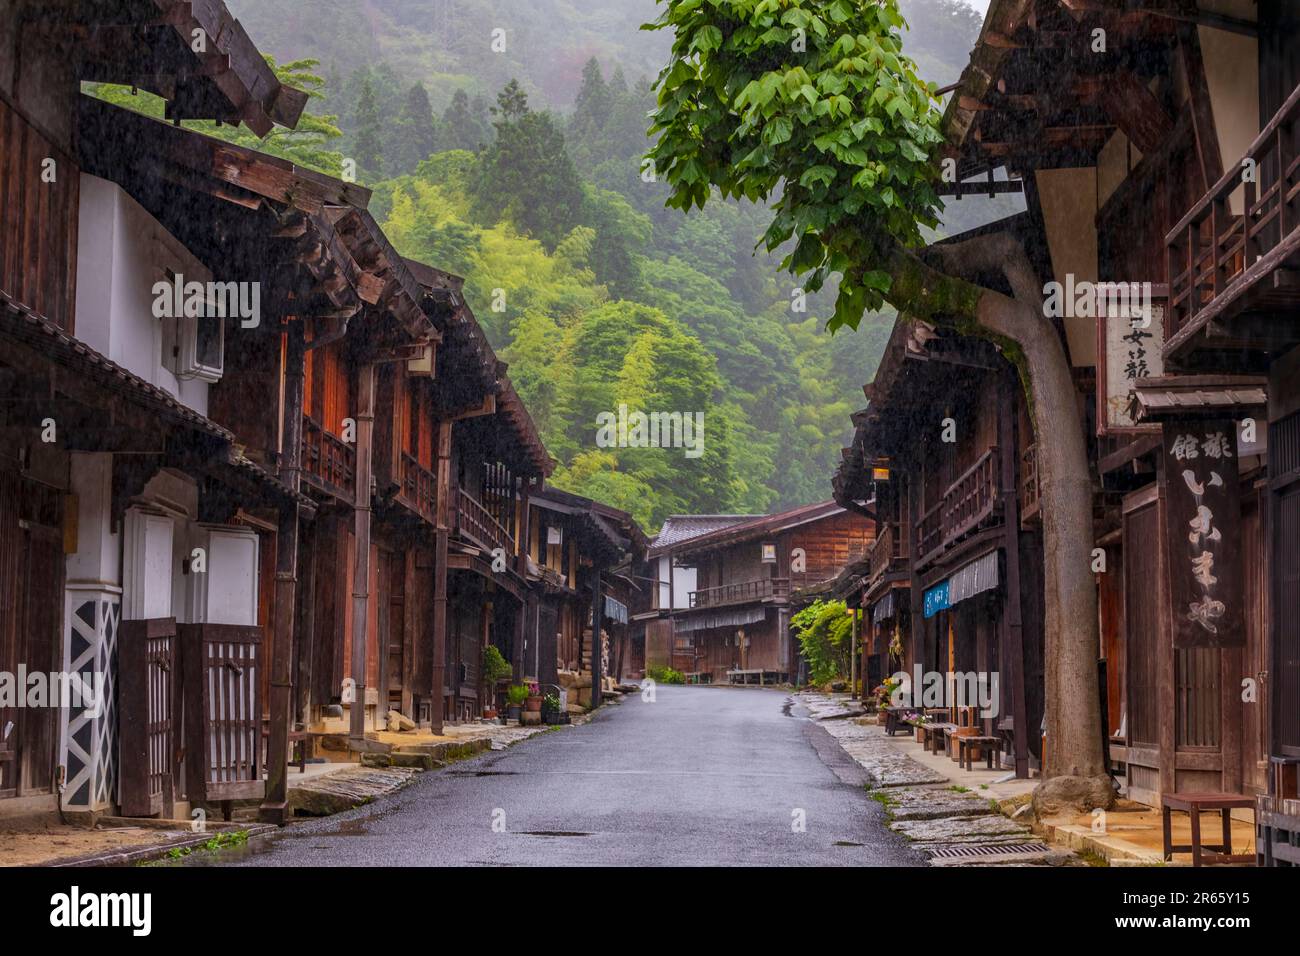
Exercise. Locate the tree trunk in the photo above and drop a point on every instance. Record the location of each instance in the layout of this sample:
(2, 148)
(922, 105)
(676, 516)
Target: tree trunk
(1074, 771)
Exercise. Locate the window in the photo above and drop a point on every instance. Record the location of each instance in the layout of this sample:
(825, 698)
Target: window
(193, 345)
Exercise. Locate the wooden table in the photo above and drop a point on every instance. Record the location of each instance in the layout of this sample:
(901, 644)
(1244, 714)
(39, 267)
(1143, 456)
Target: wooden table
(1194, 803)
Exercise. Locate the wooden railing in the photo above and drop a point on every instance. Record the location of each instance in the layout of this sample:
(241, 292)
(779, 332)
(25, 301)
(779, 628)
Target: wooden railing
(328, 459)
(476, 522)
(885, 550)
(1215, 257)
(966, 504)
(419, 488)
(971, 498)
(929, 534)
(1029, 495)
(741, 592)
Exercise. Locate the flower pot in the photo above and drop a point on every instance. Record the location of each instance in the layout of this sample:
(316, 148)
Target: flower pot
(535, 704)
(513, 711)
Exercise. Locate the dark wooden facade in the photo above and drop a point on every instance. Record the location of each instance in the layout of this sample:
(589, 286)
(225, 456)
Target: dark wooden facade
(942, 459)
(64, 404)
(1169, 161)
(734, 623)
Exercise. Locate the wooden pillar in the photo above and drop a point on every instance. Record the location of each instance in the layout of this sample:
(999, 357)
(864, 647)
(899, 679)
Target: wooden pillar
(274, 802)
(916, 594)
(361, 573)
(865, 649)
(618, 655)
(519, 664)
(442, 535)
(597, 614)
(1011, 621)
(853, 657)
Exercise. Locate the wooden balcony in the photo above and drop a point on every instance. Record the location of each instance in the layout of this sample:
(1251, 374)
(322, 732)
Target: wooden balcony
(328, 461)
(419, 488)
(476, 524)
(888, 552)
(1220, 264)
(742, 592)
(967, 504)
(1030, 511)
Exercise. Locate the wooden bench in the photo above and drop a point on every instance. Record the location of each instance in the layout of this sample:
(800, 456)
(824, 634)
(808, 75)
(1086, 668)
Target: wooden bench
(936, 734)
(1194, 803)
(299, 739)
(966, 747)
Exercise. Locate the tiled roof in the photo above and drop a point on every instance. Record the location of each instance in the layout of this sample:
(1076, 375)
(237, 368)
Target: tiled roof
(41, 333)
(679, 528)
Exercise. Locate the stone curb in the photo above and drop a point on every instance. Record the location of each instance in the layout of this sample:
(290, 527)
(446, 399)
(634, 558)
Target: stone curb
(130, 857)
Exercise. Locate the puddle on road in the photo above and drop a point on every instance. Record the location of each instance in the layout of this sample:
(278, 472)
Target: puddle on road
(482, 773)
(791, 709)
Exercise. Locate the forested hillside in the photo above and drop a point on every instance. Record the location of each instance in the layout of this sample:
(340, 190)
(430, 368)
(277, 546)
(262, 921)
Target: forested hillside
(522, 171)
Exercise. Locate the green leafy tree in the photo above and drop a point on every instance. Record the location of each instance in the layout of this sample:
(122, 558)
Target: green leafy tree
(311, 144)
(415, 138)
(591, 109)
(462, 127)
(815, 100)
(824, 630)
(367, 144)
(526, 175)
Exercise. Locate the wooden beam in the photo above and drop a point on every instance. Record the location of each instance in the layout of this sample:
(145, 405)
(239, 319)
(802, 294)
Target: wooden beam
(1207, 139)
(1136, 111)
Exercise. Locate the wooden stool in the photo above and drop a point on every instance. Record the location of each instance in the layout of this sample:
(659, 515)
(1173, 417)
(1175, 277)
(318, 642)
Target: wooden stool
(966, 747)
(1194, 803)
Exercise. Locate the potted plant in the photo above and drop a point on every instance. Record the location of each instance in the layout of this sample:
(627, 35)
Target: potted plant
(551, 709)
(515, 698)
(534, 704)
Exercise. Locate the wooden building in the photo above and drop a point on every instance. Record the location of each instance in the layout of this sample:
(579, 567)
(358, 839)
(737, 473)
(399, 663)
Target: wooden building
(583, 554)
(134, 533)
(721, 607)
(282, 496)
(1163, 166)
(942, 459)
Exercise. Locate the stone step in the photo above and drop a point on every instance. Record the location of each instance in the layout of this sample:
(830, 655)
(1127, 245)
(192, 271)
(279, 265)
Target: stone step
(933, 803)
(988, 828)
(345, 789)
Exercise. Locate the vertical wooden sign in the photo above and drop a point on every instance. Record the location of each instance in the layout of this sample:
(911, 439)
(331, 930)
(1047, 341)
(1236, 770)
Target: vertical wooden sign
(1204, 533)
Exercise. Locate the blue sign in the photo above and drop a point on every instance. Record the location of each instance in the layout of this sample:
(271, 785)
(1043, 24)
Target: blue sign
(936, 599)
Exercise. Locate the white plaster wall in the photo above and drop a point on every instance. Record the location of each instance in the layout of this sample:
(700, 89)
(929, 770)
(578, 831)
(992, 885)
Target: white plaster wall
(97, 561)
(682, 586)
(1232, 74)
(121, 250)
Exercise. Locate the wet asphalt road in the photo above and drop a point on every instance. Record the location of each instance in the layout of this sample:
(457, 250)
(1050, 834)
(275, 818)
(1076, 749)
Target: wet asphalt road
(702, 776)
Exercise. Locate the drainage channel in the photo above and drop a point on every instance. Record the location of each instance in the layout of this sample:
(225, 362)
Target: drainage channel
(967, 850)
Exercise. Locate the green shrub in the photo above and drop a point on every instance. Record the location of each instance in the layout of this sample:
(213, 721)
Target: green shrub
(517, 694)
(824, 629)
(662, 674)
(495, 667)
